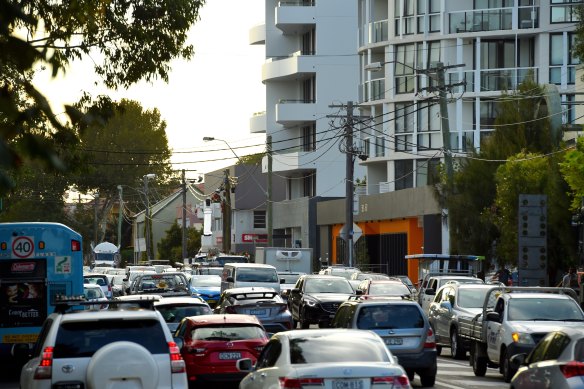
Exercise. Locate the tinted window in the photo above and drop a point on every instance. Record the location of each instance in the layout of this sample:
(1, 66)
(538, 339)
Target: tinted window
(471, 298)
(228, 333)
(557, 346)
(544, 309)
(336, 348)
(390, 316)
(257, 275)
(175, 313)
(83, 339)
(269, 355)
(223, 260)
(328, 285)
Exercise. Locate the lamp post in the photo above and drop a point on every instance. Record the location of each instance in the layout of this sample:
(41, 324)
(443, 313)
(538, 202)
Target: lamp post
(147, 221)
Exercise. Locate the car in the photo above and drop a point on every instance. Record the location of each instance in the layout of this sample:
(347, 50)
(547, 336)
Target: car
(557, 361)
(116, 282)
(406, 280)
(210, 345)
(93, 292)
(341, 271)
(210, 270)
(404, 328)
(84, 349)
(237, 275)
(431, 284)
(365, 275)
(174, 309)
(163, 284)
(323, 358)
(316, 297)
(101, 280)
(378, 288)
(208, 287)
(452, 302)
(290, 279)
(264, 303)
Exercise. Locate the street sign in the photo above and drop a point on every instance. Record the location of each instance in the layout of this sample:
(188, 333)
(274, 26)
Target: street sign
(357, 232)
(23, 246)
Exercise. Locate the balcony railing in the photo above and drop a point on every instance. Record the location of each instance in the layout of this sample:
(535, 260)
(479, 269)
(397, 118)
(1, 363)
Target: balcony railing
(493, 19)
(374, 90)
(297, 3)
(493, 79)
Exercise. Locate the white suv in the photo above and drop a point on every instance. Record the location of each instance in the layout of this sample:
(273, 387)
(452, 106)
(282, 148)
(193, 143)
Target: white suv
(97, 349)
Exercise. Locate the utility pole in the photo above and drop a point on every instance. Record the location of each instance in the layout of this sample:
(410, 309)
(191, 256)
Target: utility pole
(147, 218)
(349, 162)
(269, 205)
(95, 223)
(226, 213)
(184, 216)
(120, 216)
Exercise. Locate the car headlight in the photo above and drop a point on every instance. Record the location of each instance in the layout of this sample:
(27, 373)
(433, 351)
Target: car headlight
(522, 338)
(310, 302)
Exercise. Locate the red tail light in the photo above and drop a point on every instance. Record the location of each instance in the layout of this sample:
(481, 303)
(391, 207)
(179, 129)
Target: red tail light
(177, 364)
(297, 383)
(44, 370)
(75, 245)
(430, 339)
(572, 369)
(396, 381)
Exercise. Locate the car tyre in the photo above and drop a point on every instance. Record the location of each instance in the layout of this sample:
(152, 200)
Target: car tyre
(508, 370)
(428, 380)
(303, 323)
(456, 349)
(411, 375)
(438, 350)
(479, 365)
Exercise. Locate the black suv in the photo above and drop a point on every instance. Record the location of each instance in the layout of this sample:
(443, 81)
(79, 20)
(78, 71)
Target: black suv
(315, 299)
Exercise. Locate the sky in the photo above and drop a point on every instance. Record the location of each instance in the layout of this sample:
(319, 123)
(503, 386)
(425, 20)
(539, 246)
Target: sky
(214, 94)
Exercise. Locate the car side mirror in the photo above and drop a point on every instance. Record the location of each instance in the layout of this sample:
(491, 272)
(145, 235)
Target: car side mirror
(229, 279)
(244, 365)
(446, 305)
(358, 292)
(494, 316)
(282, 280)
(430, 292)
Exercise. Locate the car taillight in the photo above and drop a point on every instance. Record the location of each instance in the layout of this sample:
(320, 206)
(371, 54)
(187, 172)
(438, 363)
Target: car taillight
(572, 369)
(430, 339)
(396, 381)
(177, 364)
(45, 368)
(298, 383)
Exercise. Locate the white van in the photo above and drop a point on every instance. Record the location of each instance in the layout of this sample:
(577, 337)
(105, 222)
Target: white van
(237, 275)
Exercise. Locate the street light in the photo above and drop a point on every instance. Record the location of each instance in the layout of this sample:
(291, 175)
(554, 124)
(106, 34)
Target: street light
(210, 138)
(147, 222)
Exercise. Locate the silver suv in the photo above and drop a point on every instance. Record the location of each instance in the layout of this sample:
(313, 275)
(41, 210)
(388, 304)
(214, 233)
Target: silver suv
(402, 325)
(86, 349)
(453, 301)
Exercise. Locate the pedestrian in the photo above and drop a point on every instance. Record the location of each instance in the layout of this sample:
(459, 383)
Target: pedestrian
(570, 280)
(503, 275)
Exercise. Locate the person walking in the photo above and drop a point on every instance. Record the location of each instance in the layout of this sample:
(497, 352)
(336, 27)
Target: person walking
(570, 280)
(503, 275)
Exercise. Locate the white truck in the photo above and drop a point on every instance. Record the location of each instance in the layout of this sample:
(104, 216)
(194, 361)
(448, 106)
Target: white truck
(286, 260)
(512, 321)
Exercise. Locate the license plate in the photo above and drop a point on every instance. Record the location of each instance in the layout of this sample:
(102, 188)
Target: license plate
(257, 312)
(347, 384)
(229, 356)
(211, 301)
(394, 341)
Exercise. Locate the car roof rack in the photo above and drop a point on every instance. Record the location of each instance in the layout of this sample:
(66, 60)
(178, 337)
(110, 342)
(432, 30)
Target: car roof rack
(64, 304)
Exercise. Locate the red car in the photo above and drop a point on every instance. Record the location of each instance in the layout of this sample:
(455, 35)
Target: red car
(213, 343)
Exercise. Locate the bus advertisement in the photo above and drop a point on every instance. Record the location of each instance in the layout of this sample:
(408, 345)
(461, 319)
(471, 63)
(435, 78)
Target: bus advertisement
(38, 261)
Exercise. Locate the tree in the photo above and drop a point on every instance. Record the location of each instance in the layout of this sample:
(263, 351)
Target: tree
(129, 41)
(572, 168)
(170, 247)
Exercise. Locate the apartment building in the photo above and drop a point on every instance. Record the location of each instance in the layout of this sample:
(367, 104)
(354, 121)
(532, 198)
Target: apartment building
(311, 64)
(491, 46)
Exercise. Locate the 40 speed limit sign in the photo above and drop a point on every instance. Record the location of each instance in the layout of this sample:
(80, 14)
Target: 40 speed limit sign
(23, 246)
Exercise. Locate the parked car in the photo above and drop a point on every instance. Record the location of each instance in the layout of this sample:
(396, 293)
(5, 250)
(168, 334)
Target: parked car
(404, 328)
(208, 287)
(323, 358)
(101, 280)
(452, 302)
(174, 309)
(212, 343)
(163, 284)
(93, 292)
(85, 350)
(264, 303)
(378, 288)
(315, 299)
(557, 361)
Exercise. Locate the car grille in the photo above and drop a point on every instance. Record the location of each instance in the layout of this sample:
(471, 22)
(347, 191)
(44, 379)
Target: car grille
(330, 307)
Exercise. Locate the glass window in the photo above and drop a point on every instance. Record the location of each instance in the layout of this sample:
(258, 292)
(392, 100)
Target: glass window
(390, 316)
(328, 285)
(557, 346)
(404, 117)
(337, 348)
(175, 313)
(259, 219)
(543, 309)
(539, 351)
(471, 298)
(427, 171)
(228, 332)
(270, 354)
(404, 177)
(254, 274)
(83, 339)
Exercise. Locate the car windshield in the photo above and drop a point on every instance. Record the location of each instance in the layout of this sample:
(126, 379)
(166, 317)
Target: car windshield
(336, 348)
(206, 281)
(544, 309)
(83, 339)
(328, 285)
(93, 293)
(345, 273)
(467, 280)
(175, 313)
(161, 281)
(257, 275)
(289, 278)
(97, 280)
(472, 298)
(390, 316)
(388, 288)
(228, 332)
(118, 280)
(217, 271)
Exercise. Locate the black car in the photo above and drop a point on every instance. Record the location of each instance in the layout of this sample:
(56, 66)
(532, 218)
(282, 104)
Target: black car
(316, 297)
(162, 284)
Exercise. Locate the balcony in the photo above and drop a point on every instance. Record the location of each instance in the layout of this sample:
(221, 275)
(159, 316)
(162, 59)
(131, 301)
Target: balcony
(258, 123)
(493, 80)
(295, 17)
(374, 32)
(494, 19)
(295, 112)
(283, 162)
(374, 90)
(295, 66)
(257, 35)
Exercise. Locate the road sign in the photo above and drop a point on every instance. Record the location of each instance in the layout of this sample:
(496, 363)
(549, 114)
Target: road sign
(23, 246)
(357, 232)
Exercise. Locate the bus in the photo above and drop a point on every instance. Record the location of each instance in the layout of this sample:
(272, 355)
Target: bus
(38, 261)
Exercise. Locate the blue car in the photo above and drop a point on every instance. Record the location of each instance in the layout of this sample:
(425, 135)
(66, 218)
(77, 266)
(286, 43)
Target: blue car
(208, 287)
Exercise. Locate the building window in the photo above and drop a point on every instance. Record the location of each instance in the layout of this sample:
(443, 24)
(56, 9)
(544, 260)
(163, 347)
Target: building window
(428, 117)
(564, 11)
(309, 184)
(427, 172)
(404, 177)
(557, 58)
(569, 110)
(404, 68)
(309, 43)
(404, 117)
(431, 10)
(309, 137)
(259, 219)
(488, 114)
(309, 90)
